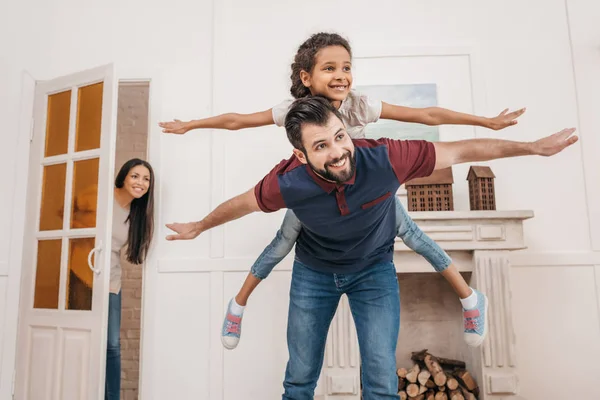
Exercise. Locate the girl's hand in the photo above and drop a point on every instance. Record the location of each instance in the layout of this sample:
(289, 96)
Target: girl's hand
(176, 126)
(505, 119)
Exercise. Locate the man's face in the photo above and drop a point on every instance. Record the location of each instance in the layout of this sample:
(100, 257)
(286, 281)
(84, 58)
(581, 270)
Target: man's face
(329, 150)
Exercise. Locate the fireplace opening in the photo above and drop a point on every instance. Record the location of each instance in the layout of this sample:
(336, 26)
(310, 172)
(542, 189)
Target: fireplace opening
(431, 351)
(430, 317)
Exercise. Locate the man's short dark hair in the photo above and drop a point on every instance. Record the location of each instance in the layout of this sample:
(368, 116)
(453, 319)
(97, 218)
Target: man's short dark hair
(315, 110)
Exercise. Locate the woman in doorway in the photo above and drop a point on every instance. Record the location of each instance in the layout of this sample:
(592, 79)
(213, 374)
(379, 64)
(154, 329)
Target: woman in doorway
(133, 223)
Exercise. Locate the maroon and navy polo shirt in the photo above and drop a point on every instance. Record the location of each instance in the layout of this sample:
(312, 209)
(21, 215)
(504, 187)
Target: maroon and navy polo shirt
(349, 226)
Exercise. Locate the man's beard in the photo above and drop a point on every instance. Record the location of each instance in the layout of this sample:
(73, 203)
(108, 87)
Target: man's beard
(338, 177)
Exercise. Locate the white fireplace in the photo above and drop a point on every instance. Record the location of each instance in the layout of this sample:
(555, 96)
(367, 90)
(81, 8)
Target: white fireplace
(479, 243)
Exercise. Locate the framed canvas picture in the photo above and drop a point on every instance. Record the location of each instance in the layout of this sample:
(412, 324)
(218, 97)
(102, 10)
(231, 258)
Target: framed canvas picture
(409, 95)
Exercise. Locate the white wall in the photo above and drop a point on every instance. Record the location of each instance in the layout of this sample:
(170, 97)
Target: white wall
(585, 47)
(235, 57)
(138, 36)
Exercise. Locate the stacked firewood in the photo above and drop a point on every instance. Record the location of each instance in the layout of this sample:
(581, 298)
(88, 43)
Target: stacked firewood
(436, 378)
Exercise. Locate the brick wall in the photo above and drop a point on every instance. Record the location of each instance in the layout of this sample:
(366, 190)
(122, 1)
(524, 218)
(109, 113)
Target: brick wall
(132, 134)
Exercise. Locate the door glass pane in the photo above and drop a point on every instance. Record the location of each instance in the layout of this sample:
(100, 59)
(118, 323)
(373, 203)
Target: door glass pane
(53, 197)
(57, 124)
(80, 278)
(89, 117)
(85, 193)
(47, 275)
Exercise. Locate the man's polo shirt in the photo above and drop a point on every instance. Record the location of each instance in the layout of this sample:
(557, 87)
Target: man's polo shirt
(347, 227)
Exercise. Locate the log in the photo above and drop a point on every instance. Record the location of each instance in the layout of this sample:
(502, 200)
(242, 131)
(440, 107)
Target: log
(467, 395)
(423, 377)
(401, 383)
(455, 395)
(441, 388)
(430, 395)
(420, 356)
(401, 372)
(430, 384)
(412, 390)
(439, 377)
(413, 373)
(451, 382)
(403, 395)
(465, 379)
(419, 397)
(422, 389)
(441, 396)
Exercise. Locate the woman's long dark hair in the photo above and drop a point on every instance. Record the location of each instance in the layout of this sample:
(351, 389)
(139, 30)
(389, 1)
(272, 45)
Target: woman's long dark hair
(141, 215)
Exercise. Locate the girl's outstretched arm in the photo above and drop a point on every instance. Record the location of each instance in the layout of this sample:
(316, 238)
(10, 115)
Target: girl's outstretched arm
(442, 116)
(229, 121)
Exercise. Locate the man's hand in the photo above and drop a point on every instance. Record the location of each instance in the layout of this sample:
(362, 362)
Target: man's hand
(475, 150)
(186, 231)
(554, 144)
(176, 126)
(233, 208)
(504, 119)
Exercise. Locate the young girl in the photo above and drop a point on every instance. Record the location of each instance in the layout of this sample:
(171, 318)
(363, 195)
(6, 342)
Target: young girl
(323, 66)
(133, 223)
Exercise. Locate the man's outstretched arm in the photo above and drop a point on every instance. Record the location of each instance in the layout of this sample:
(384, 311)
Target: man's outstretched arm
(234, 208)
(473, 150)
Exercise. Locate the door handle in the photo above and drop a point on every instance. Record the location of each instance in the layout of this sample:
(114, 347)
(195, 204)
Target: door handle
(93, 251)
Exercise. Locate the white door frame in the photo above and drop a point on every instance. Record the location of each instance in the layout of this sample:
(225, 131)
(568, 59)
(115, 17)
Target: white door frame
(17, 231)
(146, 383)
(11, 320)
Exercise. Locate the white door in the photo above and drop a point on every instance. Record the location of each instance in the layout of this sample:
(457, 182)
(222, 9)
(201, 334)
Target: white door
(61, 350)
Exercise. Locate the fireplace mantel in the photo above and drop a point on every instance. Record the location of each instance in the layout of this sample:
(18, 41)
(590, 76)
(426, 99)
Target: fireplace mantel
(472, 230)
(484, 240)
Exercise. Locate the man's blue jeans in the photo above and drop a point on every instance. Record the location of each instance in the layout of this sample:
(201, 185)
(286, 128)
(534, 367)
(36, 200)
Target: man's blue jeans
(374, 299)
